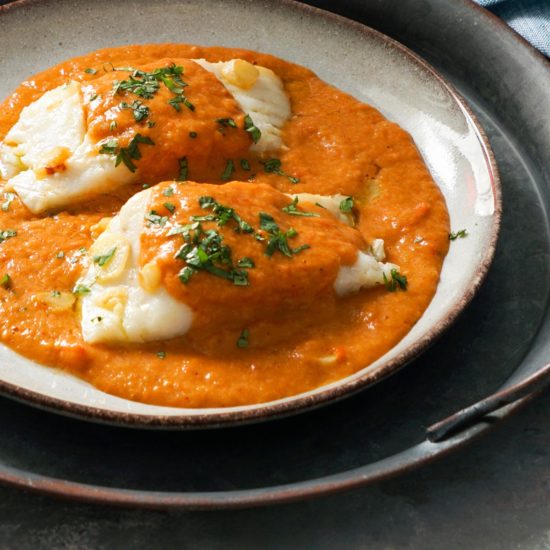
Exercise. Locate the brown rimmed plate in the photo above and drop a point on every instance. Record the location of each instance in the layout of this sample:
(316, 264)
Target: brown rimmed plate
(357, 59)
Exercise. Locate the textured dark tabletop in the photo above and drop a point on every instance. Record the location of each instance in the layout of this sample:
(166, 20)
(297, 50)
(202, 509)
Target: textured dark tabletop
(493, 494)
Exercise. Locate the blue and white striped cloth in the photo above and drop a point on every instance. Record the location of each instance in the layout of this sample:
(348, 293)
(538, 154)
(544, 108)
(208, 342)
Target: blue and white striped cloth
(530, 18)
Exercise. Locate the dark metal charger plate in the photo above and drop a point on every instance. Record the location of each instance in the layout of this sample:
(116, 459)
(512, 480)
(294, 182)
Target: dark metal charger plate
(502, 337)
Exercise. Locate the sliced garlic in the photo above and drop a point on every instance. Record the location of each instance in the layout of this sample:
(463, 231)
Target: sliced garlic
(55, 300)
(149, 276)
(110, 253)
(97, 229)
(241, 73)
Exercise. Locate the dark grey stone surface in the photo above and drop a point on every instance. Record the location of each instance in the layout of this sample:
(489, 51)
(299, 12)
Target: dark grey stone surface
(494, 494)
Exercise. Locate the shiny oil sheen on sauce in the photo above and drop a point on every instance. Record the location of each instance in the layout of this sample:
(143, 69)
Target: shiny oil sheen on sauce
(334, 144)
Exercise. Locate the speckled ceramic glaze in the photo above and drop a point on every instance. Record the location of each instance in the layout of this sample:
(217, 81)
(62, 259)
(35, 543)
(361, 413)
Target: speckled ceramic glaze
(356, 59)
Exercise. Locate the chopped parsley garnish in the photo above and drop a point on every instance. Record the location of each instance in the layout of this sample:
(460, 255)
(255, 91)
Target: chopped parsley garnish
(246, 262)
(94, 97)
(81, 290)
(184, 169)
(10, 197)
(278, 240)
(168, 192)
(397, 281)
(89, 70)
(242, 341)
(56, 294)
(225, 122)
(60, 255)
(139, 110)
(177, 100)
(193, 135)
(154, 218)
(97, 319)
(109, 147)
(221, 214)
(112, 125)
(150, 123)
(170, 207)
(228, 170)
(347, 204)
(253, 130)
(273, 166)
(7, 234)
(146, 84)
(128, 154)
(140, 83)
(161, 354)
(104, 259)
(145, 186)
(205, 251)
(245, 165)
(458, 235)
(292, 209)
(5, 281)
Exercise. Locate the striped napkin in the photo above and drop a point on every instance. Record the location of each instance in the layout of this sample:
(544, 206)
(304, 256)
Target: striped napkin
(530, 18)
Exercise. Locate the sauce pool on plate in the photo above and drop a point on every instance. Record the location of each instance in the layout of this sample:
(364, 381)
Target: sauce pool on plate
(208, 234)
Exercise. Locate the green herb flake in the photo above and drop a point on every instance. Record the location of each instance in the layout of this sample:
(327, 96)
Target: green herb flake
(185, 274)
(461, 234)
(60, 255)
(56, 294)
(245, 165)
(347, 204)
(184, 169)
(396, 282)
(292, 209)
(154, 218)
(179, 100)
(226, 122)
(246, 262)
(273, 166)
(104, 259)
(170, 207)
(252, 129)
(5, 281)
(139, 110)
(168, 192)
(126, 155)
(161, 354)
(112, 125)
(109, 147)
(10, 197)
(89, 70)
(277, 239)
(145, 186)
(81, 290)
(150, 123)
(7, 234)
(242, 341)
(193, 135)
(228, 170)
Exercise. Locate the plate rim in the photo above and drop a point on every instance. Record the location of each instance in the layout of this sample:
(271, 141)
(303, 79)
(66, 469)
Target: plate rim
(300, 403)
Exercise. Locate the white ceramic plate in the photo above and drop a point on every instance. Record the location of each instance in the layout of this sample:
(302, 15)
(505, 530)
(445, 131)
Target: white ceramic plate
(35, 35)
